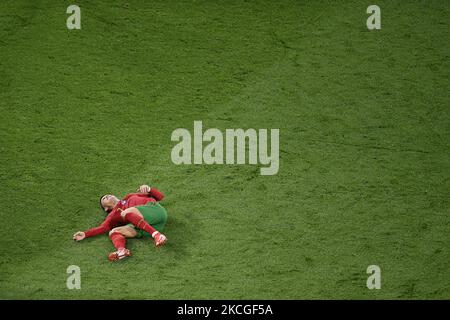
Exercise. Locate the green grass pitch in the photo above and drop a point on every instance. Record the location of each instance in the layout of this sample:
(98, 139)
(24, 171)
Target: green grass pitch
(364, 119)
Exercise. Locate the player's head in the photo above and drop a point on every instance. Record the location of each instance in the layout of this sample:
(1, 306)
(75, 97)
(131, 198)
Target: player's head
(108, 202)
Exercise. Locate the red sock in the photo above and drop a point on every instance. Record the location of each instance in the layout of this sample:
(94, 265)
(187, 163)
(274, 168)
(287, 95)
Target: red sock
(139, 222)
(118, 240)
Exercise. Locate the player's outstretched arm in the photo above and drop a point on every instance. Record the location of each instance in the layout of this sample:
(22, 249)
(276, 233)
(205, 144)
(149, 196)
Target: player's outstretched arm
(104, 227)
(97, 230)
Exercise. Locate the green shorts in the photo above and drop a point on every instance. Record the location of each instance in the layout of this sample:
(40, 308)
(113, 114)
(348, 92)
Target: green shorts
(154, 214)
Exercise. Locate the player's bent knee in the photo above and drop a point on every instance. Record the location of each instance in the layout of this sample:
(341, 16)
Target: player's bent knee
(114, 230)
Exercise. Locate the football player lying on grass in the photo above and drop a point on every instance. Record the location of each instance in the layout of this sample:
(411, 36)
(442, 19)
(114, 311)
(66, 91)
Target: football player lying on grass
(135, 216)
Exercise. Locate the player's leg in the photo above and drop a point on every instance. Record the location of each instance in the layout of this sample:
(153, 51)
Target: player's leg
(146, 218)
(118, 237)
(156, 216)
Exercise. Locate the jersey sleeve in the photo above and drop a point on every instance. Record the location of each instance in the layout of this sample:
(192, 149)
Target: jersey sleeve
(155, 193)
(104, 227)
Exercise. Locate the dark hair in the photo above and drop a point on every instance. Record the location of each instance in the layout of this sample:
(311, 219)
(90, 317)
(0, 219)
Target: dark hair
(103, 208)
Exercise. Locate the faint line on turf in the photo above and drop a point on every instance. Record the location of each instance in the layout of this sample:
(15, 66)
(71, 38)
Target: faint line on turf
(367, 146)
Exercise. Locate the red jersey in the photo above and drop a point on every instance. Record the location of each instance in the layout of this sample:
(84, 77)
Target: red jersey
(114, 219)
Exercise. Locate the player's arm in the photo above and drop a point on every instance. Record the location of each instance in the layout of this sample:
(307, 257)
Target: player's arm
(104, 227)
(152, 192)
